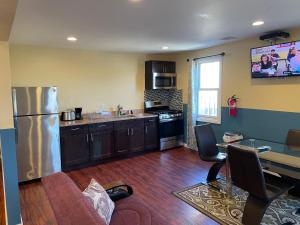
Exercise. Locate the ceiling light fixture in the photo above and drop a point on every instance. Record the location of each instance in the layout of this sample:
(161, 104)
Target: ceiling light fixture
(164, 47)
(258, 23)
(72, 38)
(203, 16)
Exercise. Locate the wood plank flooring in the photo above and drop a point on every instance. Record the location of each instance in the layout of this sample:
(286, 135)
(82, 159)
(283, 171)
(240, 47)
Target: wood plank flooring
(2, 201)
(153, 177)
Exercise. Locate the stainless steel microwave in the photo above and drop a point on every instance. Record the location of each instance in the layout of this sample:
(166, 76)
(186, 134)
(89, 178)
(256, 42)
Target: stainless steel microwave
(162, 81)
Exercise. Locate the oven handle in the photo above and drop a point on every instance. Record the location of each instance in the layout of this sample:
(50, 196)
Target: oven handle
(169, 120)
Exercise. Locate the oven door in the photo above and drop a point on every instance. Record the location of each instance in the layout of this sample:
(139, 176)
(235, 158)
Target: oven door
(170, 128)
(164, 80)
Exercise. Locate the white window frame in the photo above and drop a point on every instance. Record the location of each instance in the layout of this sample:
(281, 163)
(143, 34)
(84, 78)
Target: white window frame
(212, 119)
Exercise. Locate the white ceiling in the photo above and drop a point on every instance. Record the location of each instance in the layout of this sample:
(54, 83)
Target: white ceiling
(146, 26)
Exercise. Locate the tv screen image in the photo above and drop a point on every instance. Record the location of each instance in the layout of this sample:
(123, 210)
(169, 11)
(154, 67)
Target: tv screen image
(279, 60)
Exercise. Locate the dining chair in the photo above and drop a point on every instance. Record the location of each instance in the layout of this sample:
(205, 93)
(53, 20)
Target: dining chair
(208, 150)
(263, 188)
(293, 138)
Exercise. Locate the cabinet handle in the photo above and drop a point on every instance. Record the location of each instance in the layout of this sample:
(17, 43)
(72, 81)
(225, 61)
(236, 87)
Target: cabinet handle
(131, 131)
(146, 129)
(74, 129)
(128, 132)
(92, 137)
(101, 126)
(152, 120)
(87, 138)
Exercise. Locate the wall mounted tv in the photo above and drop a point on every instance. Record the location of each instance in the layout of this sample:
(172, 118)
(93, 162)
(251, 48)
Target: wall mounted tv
(279, 60)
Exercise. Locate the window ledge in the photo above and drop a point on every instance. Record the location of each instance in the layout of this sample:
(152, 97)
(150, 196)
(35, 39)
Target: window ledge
(214, 120)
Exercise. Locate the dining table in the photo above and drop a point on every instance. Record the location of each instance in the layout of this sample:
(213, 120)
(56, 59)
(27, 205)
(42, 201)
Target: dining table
(277, 158)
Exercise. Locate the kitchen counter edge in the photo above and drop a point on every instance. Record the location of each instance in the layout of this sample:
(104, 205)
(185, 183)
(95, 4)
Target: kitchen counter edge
(104, 119)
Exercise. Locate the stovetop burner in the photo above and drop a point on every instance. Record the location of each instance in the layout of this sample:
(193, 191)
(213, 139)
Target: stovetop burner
(163, 111)
(166, 111)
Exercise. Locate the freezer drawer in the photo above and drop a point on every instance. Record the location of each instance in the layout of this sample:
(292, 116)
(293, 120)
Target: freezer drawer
(38, 146)
(30, 101)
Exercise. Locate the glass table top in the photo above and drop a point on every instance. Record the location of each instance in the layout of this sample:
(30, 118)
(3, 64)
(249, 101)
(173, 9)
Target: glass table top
(280, 158)
(274, 147)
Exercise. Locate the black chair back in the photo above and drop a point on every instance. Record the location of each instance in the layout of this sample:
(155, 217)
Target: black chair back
(246, 171)
(293, 138)
(206, 141)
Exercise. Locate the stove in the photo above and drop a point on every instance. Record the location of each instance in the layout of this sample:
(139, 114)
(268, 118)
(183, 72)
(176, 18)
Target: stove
(171, 126)
(167, 115)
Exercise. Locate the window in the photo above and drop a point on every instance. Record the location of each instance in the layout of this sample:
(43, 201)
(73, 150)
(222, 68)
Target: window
(209, 93)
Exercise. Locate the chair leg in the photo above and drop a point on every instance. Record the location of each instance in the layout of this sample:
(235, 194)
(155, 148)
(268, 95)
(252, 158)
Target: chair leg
(213, 171)
(254, 211)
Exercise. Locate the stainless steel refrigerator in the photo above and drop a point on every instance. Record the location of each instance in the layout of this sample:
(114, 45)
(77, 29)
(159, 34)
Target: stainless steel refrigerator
(37, 131)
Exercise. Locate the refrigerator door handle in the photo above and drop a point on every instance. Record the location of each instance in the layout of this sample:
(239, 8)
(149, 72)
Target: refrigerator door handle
(16, 130)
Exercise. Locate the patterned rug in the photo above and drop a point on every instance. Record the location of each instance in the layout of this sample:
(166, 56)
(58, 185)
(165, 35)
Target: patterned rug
(212, 203)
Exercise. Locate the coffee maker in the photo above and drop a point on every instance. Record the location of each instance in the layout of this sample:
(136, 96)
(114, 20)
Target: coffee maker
(78, 112)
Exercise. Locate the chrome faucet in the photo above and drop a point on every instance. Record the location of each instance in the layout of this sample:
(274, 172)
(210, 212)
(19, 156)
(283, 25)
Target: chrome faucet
(119, 110)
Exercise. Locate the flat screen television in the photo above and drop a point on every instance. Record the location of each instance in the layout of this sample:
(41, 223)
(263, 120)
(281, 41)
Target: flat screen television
(279, 60)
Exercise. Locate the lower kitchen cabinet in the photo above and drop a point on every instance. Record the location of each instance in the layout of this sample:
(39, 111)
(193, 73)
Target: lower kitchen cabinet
(122, 140)
(102, 141)
(75, 148)
(151, 134)
(137, 136)
(129, 136)
(89, 144)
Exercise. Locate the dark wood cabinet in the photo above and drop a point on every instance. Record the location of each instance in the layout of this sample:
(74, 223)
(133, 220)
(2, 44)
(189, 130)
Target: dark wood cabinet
(157, 67)
(129, 136)
(74, 146)
(101, 141)
(87, 145)
(151, 134)
(137, 136)
(161, 66)
(122, 141)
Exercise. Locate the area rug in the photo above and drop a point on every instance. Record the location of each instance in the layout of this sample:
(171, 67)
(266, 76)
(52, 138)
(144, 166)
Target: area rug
(211, 202)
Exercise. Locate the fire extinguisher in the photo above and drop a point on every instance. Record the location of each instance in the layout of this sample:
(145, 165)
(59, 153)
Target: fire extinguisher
(232, 105)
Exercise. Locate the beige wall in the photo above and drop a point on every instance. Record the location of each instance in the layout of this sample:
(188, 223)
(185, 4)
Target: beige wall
(6, 115)
(85, 78)
(269, 94)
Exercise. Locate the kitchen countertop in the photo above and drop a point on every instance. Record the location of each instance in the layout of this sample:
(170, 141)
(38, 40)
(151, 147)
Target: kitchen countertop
(95, 118)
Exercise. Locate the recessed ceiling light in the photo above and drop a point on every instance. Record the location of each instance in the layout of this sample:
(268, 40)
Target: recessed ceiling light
(164, 47)
(72, 38)
(203, 16)
(134, 0)
(258, 23)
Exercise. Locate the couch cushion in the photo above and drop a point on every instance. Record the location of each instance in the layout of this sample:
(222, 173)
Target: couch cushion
(70, 206)
(100, 200)
(131, 211)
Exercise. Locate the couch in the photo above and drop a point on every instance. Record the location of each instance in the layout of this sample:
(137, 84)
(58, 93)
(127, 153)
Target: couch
(71, 207)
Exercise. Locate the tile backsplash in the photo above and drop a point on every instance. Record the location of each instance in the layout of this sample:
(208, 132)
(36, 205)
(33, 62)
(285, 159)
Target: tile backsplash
(172, 97)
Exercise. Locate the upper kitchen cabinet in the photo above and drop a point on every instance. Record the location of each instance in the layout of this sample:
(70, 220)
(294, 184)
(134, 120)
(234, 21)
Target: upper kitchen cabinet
(160, 75)
(160, 67)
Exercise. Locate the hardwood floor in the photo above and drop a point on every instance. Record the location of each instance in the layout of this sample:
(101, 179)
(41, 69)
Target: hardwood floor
(2, 201)
(153, 177)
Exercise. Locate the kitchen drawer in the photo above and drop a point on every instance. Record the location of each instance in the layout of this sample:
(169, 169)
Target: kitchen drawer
(132, 123)
(151, 120)
(74, 129)
(101, 126)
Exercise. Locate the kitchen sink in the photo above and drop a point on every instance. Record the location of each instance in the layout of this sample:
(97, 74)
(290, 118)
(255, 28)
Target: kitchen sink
(125, 116)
